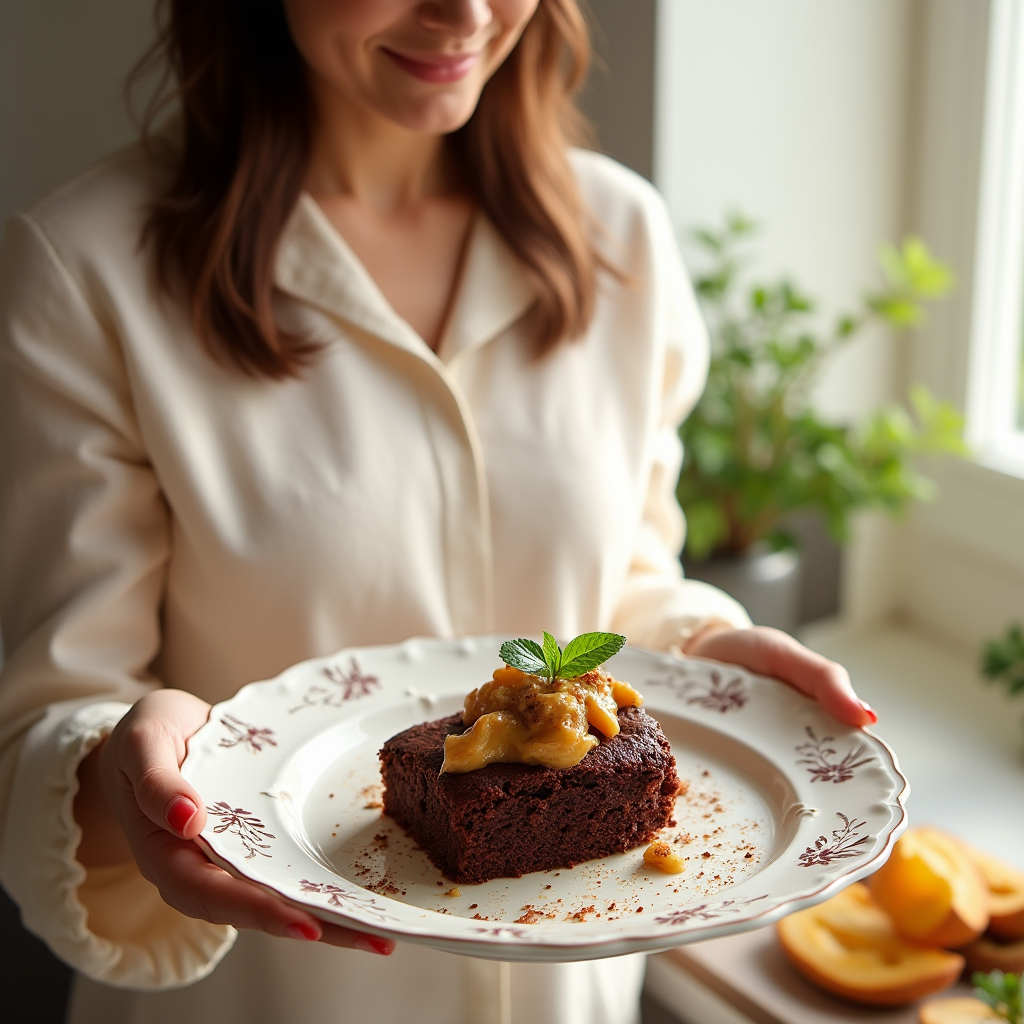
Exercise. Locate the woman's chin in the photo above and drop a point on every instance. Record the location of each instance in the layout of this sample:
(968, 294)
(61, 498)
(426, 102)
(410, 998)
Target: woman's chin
(433, 115)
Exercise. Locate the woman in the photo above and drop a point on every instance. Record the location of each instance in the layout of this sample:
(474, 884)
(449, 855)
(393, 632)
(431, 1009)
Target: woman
(359, 350)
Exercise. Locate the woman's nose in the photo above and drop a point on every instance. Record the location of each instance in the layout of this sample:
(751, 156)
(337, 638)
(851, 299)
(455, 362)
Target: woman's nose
(462, 18)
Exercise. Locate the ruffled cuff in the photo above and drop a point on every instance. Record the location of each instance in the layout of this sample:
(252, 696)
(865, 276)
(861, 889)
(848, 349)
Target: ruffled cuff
(666, 613)
(107, 923)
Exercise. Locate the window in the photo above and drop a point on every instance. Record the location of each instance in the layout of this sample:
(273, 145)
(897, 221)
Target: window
(995, 406)
(959, 564)
(1020, 393)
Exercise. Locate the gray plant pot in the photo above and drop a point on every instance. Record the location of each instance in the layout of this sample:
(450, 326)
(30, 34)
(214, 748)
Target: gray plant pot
(765, 582)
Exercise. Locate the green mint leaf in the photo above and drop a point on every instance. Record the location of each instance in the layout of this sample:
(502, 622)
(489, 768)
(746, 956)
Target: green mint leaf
(1003, 992)
(552, 655)
(525, 655)
(587, 652)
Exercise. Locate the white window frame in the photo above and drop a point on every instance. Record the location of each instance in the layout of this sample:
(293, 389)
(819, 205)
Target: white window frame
(997, 328)
(962, 575)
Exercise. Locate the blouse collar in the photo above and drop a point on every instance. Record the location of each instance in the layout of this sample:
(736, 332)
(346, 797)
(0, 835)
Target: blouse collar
(316, 265)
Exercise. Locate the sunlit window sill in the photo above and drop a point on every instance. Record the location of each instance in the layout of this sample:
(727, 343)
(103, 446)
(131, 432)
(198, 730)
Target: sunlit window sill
(960, 742)
(1006, 459)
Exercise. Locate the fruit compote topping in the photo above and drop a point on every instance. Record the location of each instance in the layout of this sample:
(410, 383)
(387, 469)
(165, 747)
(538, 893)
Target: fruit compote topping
(527, 719)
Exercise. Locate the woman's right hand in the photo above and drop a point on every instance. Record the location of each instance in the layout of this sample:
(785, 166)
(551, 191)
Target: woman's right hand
(134, 804)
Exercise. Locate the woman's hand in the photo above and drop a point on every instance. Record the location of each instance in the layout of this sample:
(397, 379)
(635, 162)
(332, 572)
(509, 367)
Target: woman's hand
(134, 804)
(770, 652)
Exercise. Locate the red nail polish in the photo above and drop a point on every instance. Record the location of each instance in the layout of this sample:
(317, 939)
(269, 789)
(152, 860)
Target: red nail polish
(302, 932)
(870, 711)
(180, 813)
(372, 944)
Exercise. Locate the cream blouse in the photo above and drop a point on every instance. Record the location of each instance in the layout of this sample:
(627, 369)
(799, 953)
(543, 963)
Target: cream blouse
(165, 521)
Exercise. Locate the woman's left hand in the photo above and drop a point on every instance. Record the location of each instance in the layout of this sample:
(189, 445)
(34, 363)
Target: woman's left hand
(770, 652)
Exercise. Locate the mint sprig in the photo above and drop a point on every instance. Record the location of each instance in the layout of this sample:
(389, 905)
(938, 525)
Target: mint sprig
(581, 655)
(525, 655)
(1003, 992)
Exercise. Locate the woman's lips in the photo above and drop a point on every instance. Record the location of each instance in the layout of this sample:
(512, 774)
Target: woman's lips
(435, 67)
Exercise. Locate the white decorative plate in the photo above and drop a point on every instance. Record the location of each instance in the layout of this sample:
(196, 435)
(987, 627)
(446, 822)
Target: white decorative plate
(785, 807)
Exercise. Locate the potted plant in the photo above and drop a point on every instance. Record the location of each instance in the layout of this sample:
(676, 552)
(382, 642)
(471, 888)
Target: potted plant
(756, 450)
(1003, 660)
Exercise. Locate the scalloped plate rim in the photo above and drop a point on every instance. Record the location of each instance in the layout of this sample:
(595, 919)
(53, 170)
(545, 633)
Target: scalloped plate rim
(555, 949)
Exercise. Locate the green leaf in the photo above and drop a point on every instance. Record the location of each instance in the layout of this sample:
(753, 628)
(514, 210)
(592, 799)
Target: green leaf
(912, 268)
(706, 526)
(846, 326)
(901, 312)
(793, 301)
(738, 224)
(942, 425)
(714, 286)
(782, 540)
(914, 277)
(1003, 992)
(552, 655)
(587, 652)
(928, 277)
(1003, 660)
(525, 655)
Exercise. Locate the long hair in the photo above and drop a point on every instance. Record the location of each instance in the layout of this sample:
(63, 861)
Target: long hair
(248, 122)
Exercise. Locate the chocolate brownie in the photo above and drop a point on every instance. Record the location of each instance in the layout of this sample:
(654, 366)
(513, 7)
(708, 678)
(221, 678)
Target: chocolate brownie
(505, 820)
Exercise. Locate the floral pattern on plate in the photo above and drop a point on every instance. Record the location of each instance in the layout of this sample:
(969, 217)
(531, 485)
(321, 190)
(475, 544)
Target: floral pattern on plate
(845, 842)
(713, 692)
(242, 734)
(348, 685)
(820, 759)
(238, 822)
(289, 771)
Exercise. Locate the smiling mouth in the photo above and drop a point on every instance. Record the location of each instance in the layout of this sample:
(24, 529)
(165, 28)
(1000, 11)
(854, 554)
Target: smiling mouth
(437, 68)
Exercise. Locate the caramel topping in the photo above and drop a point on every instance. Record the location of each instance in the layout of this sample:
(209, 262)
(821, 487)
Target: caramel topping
(529, 720)
(661, 856)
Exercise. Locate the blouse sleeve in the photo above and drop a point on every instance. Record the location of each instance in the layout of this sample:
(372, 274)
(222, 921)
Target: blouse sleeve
(83, 547)
(659, 608)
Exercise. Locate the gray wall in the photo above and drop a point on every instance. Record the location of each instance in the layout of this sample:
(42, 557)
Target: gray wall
(619, 96)
(62, 67)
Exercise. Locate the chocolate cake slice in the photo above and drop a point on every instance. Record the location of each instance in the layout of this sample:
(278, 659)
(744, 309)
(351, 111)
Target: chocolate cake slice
(506, 820)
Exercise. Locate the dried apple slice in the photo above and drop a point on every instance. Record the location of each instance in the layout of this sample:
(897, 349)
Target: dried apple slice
(1006, 892)
(988, 954)
(958, 1011)
(848, 946)
(932, 890)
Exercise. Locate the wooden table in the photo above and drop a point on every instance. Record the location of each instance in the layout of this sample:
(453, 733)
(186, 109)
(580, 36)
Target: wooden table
(749, 980)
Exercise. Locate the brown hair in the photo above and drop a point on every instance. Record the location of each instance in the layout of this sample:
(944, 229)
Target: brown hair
(240, 82)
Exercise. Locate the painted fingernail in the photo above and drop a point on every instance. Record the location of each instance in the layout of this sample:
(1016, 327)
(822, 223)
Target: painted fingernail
(870, 712)
(371, 944)
(302, 932)
(180, 813)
